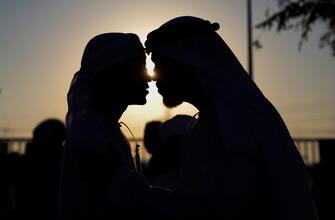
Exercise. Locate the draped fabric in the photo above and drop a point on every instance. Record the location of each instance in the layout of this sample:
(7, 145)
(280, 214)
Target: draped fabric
(95, 147)
(101, 52)
(239, 152)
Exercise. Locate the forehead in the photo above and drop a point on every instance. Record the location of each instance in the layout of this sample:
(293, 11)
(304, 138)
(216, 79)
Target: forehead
(167, 62)
(140, 60)
(129, 65)
(157, 57)
(154, 56)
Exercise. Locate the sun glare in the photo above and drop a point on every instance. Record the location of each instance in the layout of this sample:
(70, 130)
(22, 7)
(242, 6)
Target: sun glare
(150, 66)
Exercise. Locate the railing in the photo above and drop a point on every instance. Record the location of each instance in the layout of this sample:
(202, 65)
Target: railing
(14, 144)
(308, 148)
(18, 145)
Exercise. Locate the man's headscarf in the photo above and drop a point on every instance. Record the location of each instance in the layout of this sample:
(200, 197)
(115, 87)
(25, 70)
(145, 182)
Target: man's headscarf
(95, 146)
(101, 52)
(242, 115)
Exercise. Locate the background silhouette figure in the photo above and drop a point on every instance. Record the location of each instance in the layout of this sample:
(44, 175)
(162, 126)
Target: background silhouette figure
(38, 192)
(152, 144)
(164, 141)
(11, 170)
(324, 181)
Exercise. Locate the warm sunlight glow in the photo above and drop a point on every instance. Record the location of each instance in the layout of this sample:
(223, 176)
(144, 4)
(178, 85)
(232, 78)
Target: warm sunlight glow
(150, 66)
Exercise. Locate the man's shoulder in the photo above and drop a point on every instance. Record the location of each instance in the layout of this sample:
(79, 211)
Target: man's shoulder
(236, 129)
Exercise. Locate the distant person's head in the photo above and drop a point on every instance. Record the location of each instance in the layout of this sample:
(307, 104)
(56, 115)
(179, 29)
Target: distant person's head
(48, 138)
(172, 135)
(151, 136)
(178, 126)
(51, 131)
(112, 74)
(189, 59)
(164, 141)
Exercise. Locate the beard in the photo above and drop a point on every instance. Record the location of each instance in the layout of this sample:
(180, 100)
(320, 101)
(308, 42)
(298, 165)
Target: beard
(171, 102)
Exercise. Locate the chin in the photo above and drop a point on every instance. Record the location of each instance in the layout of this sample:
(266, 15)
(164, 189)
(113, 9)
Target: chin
(171, 103)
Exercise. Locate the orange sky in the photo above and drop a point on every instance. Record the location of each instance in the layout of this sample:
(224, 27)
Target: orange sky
(42, 42)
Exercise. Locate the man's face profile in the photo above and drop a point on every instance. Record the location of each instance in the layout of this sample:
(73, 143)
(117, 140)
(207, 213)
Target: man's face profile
(125, 82)
(136, 79)
(169, 83)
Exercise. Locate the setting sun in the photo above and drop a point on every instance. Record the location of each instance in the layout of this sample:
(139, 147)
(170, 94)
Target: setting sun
(150, 66)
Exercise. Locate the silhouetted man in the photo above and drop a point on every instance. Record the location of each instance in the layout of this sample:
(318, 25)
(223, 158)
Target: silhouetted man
(112, 76)
(239, 161)
(39, 191)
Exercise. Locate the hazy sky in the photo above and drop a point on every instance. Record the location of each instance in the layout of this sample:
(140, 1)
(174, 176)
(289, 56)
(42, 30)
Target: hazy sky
(42, 41)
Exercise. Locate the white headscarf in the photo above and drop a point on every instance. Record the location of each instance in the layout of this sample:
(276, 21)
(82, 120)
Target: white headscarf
(194, 43)
(101, 52)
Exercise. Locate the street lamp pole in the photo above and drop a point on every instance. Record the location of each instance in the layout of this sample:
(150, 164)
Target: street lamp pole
(250, 40)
